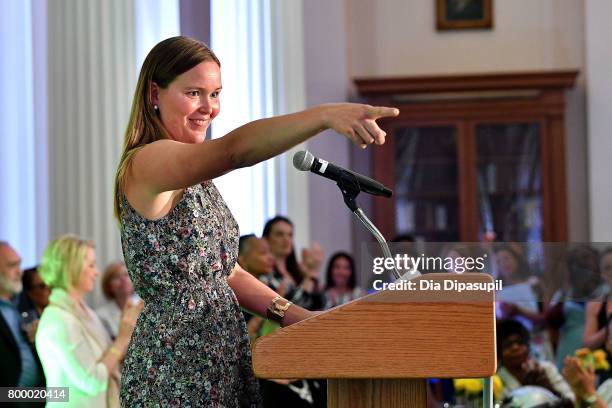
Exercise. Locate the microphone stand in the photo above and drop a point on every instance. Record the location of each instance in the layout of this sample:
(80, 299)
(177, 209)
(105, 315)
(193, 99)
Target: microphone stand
(350, 189)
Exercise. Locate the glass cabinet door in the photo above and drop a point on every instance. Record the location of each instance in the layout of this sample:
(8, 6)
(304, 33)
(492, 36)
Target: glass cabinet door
(510, 181)
(426, 183)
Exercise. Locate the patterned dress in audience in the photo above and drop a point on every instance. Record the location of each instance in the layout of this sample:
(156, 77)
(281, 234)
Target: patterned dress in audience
(190, 347)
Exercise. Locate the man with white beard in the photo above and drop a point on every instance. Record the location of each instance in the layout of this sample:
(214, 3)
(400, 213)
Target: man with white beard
(20, 364)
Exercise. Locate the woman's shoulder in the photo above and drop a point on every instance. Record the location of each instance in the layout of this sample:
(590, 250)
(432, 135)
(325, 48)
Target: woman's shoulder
(55, 325)
(54, 313)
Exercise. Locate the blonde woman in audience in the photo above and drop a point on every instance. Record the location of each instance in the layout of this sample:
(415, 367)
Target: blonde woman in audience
(75, 349)
(119, 292)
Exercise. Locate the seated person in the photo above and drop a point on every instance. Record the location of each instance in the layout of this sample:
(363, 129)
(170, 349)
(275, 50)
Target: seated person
(517, 368)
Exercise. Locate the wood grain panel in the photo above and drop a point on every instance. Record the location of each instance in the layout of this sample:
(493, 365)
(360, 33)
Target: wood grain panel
(390, 334)
(469, 82)
(376, 393)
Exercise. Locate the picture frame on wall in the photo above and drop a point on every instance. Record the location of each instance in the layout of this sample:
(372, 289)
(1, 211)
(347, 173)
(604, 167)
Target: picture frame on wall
(464, 14)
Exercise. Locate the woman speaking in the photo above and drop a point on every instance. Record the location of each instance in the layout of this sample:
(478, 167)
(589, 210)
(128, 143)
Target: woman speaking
(180, 242)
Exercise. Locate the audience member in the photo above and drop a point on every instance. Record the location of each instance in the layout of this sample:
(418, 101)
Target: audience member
(20, 364)
(582, 380)
(35, 295)
(255, 257)
(568, 305)
(119, 292)
(299, 284)
(599, 312)
(522, 298)
(75, 349)
(341, 286)
(517, 368)
(299, 281)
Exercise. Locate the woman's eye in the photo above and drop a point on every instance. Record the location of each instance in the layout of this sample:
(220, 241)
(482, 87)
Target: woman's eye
(193, 93)
(215, 94)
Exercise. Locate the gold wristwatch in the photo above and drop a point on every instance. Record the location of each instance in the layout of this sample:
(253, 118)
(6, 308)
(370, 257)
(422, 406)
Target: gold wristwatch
(276, 311)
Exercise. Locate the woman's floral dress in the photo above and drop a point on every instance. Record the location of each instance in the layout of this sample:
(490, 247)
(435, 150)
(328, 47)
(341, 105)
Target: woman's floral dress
(190, 347)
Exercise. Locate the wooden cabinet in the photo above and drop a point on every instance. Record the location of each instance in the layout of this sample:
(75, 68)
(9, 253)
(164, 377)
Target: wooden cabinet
(472, 154)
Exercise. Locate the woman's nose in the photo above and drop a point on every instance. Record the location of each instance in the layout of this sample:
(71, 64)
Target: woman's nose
(205, 106)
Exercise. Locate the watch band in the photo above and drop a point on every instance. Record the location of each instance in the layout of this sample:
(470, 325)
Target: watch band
(276, 311)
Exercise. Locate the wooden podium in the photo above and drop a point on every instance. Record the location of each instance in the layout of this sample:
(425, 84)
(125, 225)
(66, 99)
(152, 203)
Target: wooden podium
(378, 351)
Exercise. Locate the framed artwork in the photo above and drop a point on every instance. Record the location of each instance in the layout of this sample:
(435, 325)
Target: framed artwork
(464, 14)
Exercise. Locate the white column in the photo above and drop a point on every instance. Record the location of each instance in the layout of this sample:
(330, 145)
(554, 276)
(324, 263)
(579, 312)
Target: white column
(18, 141)
(263, 75)
(91, 77)
(599, 94)
(41, 155)
(288, 41)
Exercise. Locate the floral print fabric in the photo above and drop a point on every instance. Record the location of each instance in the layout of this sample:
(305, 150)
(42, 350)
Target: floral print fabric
(190, 347)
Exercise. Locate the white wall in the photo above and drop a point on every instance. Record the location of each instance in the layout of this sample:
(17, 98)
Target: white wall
(599, 86)
(398, 37)
(331, 223)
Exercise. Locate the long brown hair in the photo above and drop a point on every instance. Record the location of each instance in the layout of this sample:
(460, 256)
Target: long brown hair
(167, 60)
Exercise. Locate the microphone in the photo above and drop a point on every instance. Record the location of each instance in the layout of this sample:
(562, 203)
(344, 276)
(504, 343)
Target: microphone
(305, 161)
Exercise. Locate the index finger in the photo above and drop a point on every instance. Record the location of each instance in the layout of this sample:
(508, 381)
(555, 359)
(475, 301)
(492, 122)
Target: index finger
(382, 111)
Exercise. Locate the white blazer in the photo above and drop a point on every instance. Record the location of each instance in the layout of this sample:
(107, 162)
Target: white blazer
(70, 345)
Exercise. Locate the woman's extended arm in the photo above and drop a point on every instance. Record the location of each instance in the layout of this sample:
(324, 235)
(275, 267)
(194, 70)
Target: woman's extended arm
(256, 297)
(168, 165)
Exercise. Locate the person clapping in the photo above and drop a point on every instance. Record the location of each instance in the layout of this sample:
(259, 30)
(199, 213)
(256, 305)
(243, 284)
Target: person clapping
(74, 347)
